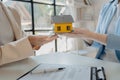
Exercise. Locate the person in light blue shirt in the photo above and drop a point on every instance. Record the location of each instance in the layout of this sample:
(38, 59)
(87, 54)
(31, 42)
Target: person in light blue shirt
(107, 35)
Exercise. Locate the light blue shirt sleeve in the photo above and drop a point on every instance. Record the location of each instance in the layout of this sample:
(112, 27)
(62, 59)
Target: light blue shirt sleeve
(95, 44)
(113, 41)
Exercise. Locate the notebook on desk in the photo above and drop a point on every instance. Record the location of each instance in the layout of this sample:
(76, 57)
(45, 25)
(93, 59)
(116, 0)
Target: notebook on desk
(64, 72)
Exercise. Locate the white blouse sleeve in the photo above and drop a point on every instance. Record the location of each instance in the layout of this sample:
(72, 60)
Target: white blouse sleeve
(21, 47)
(15, 51)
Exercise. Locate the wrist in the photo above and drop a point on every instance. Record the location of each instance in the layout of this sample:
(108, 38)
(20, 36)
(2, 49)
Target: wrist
(30, 40)
(37, 47)
(33, 40)
(101, 38)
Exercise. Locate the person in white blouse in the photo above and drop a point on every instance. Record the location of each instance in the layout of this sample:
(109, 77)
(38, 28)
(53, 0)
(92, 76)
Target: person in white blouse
(14, 45)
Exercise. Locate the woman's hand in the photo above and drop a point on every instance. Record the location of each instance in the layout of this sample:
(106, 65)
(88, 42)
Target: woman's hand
(86, 35)
(79, 32)
(38, 41)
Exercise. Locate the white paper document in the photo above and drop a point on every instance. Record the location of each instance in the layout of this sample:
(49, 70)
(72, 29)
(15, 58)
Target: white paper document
(69, 73)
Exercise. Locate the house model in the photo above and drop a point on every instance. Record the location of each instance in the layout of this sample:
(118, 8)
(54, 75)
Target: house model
(62, 23)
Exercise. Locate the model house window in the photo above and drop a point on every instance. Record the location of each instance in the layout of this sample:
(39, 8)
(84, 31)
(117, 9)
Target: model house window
(59, 28)
(68, 27)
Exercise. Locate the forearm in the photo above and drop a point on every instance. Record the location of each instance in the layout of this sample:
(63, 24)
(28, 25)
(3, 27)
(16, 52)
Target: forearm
(101, 38)
(33, 42)
(89, 36)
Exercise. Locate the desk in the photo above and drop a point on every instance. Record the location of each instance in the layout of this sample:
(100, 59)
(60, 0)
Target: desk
(14, 70)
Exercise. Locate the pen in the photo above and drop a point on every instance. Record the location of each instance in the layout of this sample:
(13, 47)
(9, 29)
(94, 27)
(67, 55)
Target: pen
(48, 70)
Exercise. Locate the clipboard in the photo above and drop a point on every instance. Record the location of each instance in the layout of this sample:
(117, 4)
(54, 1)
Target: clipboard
(72, 72)
(98, 73)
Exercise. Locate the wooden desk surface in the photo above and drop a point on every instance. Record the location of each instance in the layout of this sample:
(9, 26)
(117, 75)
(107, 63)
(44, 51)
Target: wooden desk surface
(14, 70)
